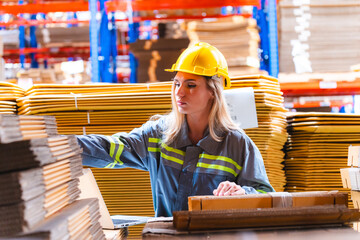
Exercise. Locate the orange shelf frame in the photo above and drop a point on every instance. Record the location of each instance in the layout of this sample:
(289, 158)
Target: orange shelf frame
(68, 49)
(24, 22)
(146, 5)
(139, 19)
(45, 7)
(320, 88)
(314, 104)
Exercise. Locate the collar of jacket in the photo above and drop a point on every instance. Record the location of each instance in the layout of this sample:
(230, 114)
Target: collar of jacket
(207, 143)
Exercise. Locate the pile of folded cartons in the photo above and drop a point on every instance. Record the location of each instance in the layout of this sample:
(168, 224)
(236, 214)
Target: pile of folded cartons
(317, 148)
(61, 36)
(156, 55)
(39, 175)
(277, 209)
(36, 75)
(236, 37)
(318, 35)
(172, 30)
(351, 177)
(270, 135)
(80, 77)
(8, 94)
(105, 109)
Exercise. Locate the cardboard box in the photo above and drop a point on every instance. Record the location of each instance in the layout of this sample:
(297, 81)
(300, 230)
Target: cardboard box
(350, 178)
(354, 156)
(264, 217)
(270, 200)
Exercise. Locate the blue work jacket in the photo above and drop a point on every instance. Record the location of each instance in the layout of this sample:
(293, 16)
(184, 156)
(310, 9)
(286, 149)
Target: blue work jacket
(180, 169)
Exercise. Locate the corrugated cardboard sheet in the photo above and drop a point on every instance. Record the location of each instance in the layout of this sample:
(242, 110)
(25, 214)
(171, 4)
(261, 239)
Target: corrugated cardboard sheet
(8, 94)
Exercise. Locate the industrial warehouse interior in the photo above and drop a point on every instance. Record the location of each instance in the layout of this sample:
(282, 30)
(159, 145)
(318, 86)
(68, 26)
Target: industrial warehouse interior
(143, 119)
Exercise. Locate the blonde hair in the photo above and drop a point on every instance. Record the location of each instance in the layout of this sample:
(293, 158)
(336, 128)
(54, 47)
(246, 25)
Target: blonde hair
(219, 118)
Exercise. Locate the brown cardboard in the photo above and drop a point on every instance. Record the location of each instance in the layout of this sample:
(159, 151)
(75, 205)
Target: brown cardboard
(354, 156)
(250, 201)
(90, 189)
(265, 217)
(194, 204)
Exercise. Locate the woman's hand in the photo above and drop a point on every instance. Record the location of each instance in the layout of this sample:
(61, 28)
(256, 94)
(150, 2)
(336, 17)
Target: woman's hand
(228, 189)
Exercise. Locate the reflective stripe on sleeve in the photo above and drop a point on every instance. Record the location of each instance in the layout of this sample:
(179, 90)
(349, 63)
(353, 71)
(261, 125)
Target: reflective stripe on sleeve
(115, 144)
(167, 153)
(170, 149)
(154, 140)
(218, 167)
(153, 149)
(173, 159)
(220, 158)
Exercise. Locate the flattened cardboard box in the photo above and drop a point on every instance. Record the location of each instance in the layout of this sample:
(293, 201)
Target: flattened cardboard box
(270, 200)
(264, 217)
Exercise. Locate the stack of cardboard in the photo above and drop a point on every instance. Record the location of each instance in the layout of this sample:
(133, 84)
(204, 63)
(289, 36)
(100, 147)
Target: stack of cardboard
(171, 30)
(317, 148)
(8, 94)
(279, 209)
(236, 37)
(108, 109)
(351, 178)
(319, 35)
(17, 128)
(39, 182)
(156, 55)
(60, 36)
(36, 75)
(270, 135)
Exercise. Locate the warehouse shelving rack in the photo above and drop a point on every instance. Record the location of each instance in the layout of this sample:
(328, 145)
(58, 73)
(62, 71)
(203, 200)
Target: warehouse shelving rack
(328, 91)
(264, 12)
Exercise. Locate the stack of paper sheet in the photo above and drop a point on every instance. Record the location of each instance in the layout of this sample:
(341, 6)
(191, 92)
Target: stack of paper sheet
(32, 195)
(94, 108)
(36, 152)
(270, 135)
(317, 148)
(236, 37)
(319, 35)
(8, 94)
(79, 220)
(17, 128)
(38, 175)
(106, 109)
(155, 55)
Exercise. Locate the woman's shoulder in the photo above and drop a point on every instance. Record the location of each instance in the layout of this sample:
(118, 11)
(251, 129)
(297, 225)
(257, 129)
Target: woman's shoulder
(237, 134)
(156, 123)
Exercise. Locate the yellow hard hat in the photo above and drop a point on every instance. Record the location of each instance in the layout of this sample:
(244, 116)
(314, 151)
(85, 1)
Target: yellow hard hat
(202, 59)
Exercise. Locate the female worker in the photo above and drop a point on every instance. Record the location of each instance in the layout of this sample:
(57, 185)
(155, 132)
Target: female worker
(194, 150)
